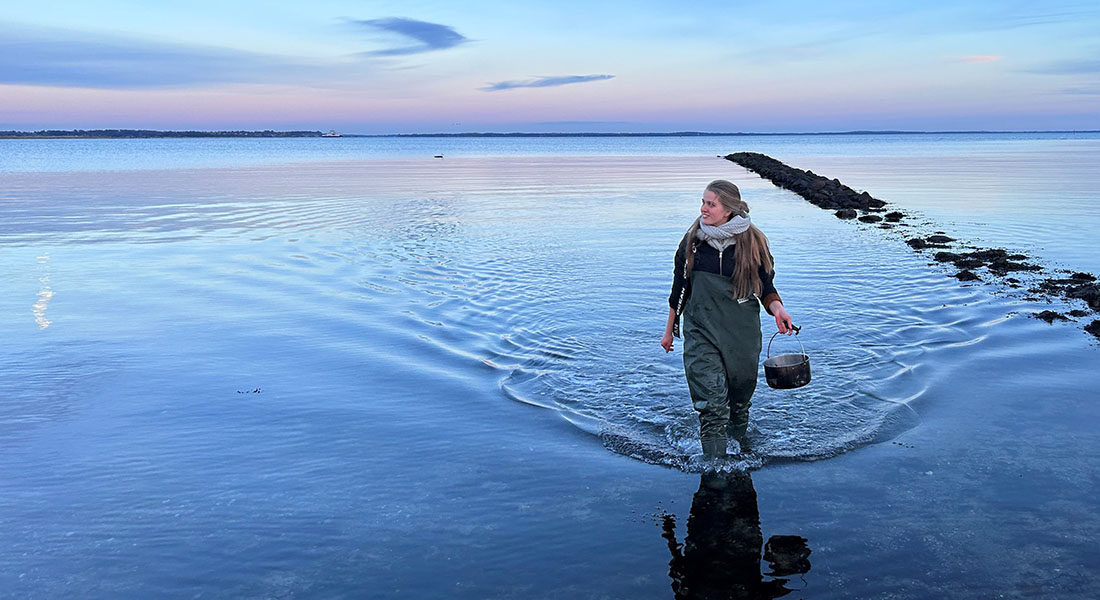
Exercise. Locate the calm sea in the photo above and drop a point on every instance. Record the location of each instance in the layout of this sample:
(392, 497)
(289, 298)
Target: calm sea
(345, 368)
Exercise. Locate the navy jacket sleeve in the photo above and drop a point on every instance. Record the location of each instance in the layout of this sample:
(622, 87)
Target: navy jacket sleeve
(679, 283)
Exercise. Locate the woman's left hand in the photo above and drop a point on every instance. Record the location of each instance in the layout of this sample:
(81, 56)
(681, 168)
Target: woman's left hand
(782, 319)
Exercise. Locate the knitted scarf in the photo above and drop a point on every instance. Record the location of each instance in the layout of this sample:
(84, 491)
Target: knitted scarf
(722, 236)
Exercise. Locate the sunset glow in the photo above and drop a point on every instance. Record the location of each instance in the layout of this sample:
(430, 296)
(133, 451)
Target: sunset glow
(389, 67)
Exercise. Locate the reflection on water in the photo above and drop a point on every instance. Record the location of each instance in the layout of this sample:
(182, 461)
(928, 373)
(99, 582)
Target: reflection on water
(720, 555)
(44, 295)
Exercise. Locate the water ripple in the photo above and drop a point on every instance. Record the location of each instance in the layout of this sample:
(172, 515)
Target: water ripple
(547, 275)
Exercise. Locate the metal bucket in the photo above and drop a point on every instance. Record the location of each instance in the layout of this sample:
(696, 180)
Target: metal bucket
(787, 371)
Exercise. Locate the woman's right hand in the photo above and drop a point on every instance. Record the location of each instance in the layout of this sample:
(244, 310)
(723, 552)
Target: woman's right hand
(670, 325)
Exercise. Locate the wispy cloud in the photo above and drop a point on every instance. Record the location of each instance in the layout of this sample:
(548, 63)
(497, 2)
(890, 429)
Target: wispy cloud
(571, 123)
(1083, 91)
(995, 16)
(544, 82)
(65, 58)
(426, 37)
(818, 46)
(1068, 67)
(978, 59)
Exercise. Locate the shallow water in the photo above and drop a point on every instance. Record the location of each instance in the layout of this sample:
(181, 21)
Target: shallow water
(404, 375)
(553, 291)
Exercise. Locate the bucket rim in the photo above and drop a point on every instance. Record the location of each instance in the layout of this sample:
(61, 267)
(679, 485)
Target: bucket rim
(772, 360)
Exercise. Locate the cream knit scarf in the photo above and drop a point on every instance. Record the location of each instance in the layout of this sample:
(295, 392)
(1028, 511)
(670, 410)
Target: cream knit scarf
(722, 236)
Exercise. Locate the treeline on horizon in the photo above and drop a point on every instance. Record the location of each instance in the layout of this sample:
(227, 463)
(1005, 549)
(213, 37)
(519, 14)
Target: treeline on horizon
(150, 133)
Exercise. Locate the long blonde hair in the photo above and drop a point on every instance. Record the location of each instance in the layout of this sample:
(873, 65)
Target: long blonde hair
(751, 251)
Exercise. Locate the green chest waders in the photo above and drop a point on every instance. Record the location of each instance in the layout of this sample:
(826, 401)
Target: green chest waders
(721, 360)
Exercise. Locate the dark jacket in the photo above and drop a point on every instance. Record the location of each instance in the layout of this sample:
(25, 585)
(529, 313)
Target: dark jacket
(709, 260)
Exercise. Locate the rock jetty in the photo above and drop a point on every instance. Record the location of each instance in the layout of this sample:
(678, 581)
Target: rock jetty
(847, 203)
(820, 191)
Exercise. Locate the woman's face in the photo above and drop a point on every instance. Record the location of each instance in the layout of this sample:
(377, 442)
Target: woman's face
(712, 210)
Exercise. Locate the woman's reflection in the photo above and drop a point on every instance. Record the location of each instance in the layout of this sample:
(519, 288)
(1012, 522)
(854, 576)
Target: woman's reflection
(720, 556)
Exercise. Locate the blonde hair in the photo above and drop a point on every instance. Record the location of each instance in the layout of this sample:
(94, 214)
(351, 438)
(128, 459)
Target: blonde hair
(751, 252)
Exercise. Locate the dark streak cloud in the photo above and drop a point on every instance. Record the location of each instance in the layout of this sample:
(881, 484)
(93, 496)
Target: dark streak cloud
(1083, 91)
(427, 36)
(1068, 67)
(544, 82)
(64, 58)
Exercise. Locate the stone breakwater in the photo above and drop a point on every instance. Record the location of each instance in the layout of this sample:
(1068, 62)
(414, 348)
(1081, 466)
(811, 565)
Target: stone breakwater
(847, 203)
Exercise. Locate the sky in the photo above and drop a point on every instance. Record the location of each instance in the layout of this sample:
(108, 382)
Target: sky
(379, 67)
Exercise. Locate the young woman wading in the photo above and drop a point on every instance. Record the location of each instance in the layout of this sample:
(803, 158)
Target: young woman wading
(723, 275)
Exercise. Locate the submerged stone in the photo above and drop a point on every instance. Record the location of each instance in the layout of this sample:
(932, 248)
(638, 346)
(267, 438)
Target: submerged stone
(1001, 267)
(1089, 293)
(1050, 316)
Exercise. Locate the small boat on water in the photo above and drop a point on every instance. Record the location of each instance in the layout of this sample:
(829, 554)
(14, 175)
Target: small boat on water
(332, 133)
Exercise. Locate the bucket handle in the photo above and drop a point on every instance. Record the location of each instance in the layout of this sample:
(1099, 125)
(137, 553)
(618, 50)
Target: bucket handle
(796, 330)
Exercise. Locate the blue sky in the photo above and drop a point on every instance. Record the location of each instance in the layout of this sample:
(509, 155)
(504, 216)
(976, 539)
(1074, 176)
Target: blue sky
(391, 67)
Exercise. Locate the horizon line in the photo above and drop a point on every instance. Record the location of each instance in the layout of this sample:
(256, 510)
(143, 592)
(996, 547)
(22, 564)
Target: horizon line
(55, 133)
(717, 133)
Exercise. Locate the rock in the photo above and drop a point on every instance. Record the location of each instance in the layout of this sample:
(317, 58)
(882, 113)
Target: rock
(1050, 316)
(969, 263)
(831, 194)
(1002, 267)
(989, 255)
(1089, 293)
(1077, 312)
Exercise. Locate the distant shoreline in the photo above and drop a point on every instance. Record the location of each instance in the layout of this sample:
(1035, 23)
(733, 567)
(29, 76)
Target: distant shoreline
(109, 134)
(155, 134)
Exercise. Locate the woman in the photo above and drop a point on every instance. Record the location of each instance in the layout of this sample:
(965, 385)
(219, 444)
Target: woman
(723, 267)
